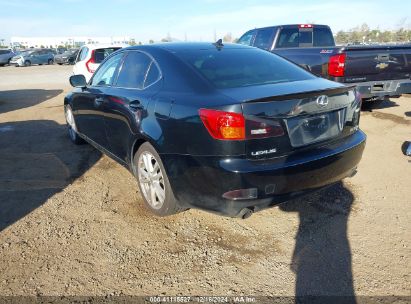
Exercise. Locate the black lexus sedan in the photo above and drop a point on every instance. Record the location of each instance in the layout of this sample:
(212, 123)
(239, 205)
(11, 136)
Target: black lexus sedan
(68, 57)
(226, 128)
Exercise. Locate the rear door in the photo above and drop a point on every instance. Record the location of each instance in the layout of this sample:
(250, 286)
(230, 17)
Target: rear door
(127, 104)
(45, 56)
(89, 105)
(34, 57)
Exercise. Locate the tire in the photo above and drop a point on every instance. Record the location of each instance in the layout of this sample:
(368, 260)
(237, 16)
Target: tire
(71, 126)
(153, 182)
(59, 63)
(50, 62)
(27, 63)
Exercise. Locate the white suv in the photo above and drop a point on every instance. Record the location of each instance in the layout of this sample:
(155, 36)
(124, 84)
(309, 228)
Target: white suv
(91, 55)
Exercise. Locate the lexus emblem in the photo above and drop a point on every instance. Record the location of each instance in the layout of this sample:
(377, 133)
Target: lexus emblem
(322, 101)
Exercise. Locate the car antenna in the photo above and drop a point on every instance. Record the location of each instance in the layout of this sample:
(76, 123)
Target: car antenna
(219, 44)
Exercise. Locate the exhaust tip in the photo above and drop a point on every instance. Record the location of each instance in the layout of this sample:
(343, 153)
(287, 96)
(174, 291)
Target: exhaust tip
(353, 172)
(245, 213)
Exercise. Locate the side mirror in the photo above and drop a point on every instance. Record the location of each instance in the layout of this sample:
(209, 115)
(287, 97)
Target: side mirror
(406, 148)
(78, 81)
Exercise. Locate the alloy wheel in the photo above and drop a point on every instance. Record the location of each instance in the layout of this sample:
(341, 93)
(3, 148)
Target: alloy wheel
(71, 123)
(151, 180)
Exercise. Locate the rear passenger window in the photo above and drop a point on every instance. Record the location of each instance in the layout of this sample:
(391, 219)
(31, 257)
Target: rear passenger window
(134, 71)
(263, 39)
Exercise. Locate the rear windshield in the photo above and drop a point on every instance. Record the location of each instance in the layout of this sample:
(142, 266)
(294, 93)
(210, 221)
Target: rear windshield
(231, 68)
(101, 54)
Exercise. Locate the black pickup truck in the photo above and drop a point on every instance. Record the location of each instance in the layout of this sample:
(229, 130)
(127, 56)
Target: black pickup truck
(379, 71)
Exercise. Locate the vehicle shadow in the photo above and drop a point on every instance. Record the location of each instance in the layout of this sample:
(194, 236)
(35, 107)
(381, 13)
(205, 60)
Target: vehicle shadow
(322, 255)
(370, 105)
(37, 160)
(18, 99)
(408, 113)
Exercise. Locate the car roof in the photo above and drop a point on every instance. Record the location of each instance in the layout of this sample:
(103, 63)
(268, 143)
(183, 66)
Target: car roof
(105, 45)
(186, 46)
(289, 26)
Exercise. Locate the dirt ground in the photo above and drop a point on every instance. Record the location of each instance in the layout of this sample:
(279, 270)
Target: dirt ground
(73, 223)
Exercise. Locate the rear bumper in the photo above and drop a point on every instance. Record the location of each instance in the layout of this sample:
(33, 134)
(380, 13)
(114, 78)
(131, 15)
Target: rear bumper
(384, 88)
(200, 182)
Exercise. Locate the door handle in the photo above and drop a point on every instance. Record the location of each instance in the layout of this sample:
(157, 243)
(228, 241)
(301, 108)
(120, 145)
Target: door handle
(98, 101)
(135, 105)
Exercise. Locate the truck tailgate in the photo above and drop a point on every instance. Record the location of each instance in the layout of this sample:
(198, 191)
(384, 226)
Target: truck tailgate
(377, 63)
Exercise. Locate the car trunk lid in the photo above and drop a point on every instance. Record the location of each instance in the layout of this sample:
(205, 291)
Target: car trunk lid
(298, 115)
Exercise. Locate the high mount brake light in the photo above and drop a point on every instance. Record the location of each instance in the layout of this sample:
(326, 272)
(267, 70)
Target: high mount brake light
(233, 126)
(305, 26)
(336, 65)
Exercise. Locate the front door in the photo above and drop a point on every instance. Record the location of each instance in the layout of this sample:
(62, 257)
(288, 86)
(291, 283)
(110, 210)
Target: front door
(90, 104)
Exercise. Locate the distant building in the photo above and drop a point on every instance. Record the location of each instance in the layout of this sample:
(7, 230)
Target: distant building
(53, 42)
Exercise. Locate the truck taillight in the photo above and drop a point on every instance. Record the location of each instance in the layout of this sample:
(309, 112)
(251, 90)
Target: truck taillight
(336, 65)
(90, 61)
(234, 126)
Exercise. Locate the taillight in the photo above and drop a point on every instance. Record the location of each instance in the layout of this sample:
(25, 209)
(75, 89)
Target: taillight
(305, 26)
(223, 125)
(233, 126)
(91, 60)
(336, 65)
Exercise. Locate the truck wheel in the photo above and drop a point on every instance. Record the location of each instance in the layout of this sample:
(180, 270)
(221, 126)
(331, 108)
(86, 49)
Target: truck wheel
(153, 182)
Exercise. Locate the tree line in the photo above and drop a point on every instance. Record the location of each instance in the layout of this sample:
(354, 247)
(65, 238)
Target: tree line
(363, 34)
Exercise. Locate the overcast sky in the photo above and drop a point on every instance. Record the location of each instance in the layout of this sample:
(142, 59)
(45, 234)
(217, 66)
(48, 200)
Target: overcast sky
(194, 19)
